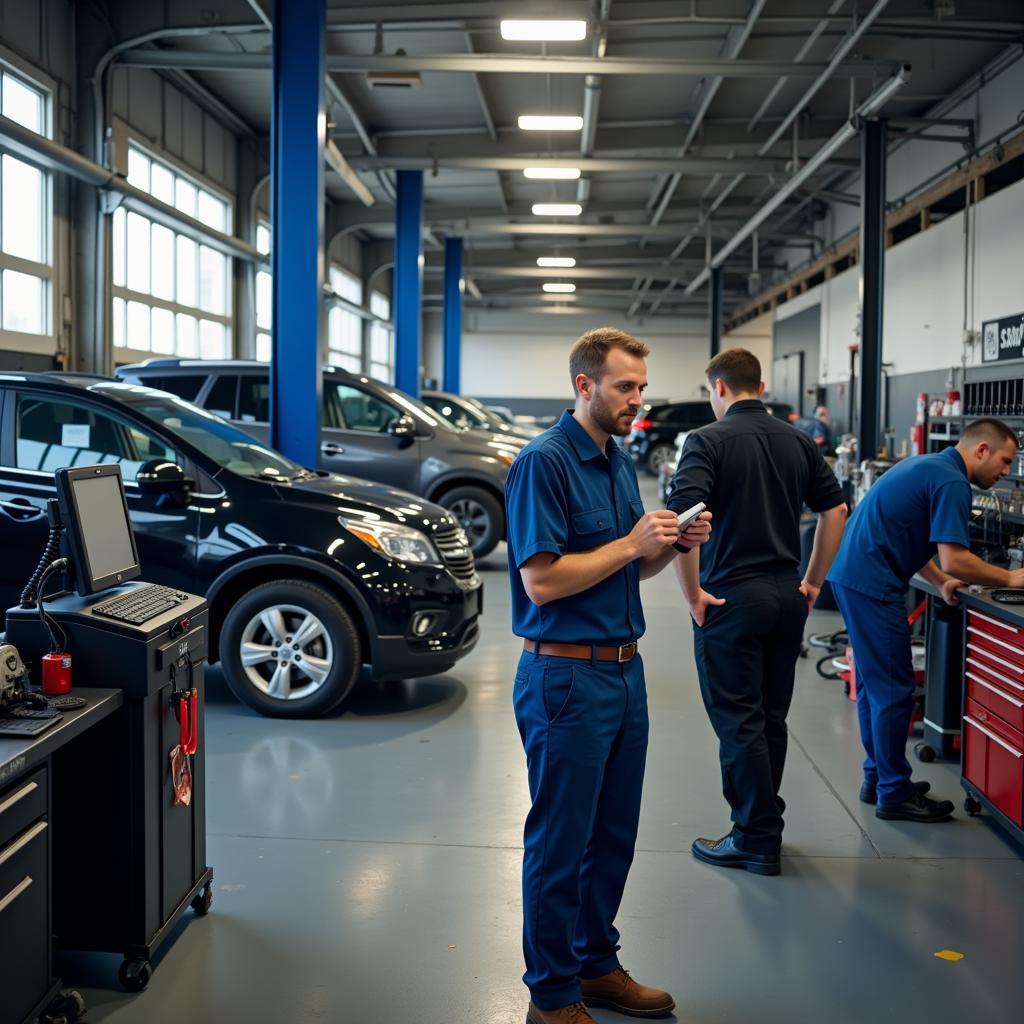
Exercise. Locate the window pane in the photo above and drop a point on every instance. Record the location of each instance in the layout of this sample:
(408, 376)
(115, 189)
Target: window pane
(138, 253)
(212, 280)
(23, 189)
(138, 326)
(187, 253)
(253, 399)
(163, 331)
(138, 169)
(263, 348)
(380, 344)
(118, 323)
(211, 211)
(188, 336)
(212, 340)
(381, 371)
(221, 397)
(182, 385)
(163, 262)
(162, 183)
(347, 285)
(22, 104)
(263, 238)
(363, 411)
(263, 299)
(185, 197)
(380, 305)
(119, 243)
(23, 303)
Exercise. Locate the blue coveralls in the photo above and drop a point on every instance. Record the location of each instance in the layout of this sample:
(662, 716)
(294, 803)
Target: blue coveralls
(918, 504)
(583, 723)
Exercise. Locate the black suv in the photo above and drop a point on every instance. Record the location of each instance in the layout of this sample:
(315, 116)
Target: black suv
(652, 441)
(342, 571)
(370, 429)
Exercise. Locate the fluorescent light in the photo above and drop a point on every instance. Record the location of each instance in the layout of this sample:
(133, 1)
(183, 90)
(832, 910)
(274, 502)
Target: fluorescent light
(559, 288)
(548, 31)
(552, 173)
(556, 261)
(550, 123)
(556, 209)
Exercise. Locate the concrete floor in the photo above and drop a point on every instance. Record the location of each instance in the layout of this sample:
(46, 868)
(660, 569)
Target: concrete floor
(367, 867)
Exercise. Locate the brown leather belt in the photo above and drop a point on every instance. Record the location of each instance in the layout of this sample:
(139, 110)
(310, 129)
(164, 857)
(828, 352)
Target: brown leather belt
(584, 652)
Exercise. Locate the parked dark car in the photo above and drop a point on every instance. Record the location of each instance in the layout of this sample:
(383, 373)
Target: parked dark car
(652, 441)
(467, 414)
(370, 430)
(344, 571)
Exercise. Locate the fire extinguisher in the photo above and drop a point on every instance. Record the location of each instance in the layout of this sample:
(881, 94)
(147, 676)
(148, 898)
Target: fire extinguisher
(919, 431)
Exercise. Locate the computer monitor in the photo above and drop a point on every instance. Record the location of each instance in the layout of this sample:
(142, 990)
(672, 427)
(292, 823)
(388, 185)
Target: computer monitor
(100, 539)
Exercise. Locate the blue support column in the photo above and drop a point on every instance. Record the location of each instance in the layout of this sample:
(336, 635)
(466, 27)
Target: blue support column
(715, 311)
(298, 128)
(408, 280)
(453, 315)
(872, 278)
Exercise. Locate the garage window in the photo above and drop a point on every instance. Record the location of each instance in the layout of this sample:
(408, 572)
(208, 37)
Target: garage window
(345, 328)
(264, 295)
(381, 343)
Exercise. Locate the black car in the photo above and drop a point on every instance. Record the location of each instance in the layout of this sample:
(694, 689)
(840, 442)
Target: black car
(469, 414)
(370, 430)
(344, 571)
(652, 441)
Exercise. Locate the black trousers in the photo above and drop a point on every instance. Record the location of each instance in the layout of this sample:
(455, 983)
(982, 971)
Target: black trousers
(746, 660)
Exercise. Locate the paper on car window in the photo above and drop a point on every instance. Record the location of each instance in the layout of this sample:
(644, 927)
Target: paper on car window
(74, 435)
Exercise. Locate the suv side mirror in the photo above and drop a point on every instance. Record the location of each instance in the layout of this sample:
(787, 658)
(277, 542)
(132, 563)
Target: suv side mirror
(404, 428)
(159, 477)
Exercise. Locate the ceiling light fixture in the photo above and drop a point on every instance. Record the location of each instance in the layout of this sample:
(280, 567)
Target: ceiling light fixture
(559, 288)
(550, 123)
(543, 30)
(556, 261)
(552, 173)
(556, 209)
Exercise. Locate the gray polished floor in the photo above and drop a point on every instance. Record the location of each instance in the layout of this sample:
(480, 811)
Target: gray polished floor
(366, 868)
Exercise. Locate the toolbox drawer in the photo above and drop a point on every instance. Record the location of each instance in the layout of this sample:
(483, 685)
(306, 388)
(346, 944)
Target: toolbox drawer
(993, 640)
(1002, 665)
(996, 693)
(994, 760)
(22, 803)
(24, 945)
(997, 628)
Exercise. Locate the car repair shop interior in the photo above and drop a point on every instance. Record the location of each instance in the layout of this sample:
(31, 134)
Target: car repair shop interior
(286, 289)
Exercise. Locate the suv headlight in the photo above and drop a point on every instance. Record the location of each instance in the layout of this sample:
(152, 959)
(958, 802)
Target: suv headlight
(402, 543)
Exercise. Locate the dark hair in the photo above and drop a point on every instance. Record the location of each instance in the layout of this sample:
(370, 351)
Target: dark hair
(737, 368)
(996, 432)
(591, 350)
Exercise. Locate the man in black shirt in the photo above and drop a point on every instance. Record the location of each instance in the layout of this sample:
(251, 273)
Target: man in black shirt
(748, 603)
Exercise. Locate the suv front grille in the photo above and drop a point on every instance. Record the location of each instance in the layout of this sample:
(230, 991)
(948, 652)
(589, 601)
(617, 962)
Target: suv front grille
(455, 550)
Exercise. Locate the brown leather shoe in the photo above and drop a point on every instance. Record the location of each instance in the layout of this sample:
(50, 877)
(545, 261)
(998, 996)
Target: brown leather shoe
(618, 991)
(575, 1013)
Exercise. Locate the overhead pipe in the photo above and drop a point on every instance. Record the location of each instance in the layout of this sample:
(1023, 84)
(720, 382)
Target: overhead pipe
(592, 98)
(871, 105)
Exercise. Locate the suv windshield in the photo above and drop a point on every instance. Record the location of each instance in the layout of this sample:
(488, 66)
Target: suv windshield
(456, 412)
(223, 443)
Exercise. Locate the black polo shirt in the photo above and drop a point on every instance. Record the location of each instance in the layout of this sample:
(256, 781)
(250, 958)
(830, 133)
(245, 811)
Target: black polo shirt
(755, 473)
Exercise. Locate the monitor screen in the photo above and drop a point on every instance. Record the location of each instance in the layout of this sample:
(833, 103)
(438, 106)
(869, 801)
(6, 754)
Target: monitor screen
(105, 529)
(101, 544)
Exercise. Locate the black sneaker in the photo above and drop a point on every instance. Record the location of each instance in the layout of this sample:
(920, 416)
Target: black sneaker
(869, 794)
(917, 808)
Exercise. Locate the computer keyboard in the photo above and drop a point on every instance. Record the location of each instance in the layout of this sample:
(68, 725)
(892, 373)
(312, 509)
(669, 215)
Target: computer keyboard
(26, 726)
(141, 604)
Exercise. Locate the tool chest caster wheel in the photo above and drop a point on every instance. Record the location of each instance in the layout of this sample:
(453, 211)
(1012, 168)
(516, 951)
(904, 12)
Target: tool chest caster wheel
(134, 975)
(971, 806)
(67, 1008)
(202, 903)
(924, 753)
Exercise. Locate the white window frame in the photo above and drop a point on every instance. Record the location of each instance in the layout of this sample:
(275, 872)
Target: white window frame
(45, 343)
(124, 138)
(339, 357)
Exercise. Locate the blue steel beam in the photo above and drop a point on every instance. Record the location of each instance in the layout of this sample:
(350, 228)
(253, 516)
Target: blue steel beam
(297, 135)
(408, 280)
(453, 315)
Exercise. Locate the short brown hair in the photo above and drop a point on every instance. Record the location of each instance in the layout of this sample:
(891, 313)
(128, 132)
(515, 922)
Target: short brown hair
(591, 350)
(737, 368)
(996, 432)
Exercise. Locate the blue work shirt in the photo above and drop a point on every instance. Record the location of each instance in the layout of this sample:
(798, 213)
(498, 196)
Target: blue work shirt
(563, 494)
(920, 503)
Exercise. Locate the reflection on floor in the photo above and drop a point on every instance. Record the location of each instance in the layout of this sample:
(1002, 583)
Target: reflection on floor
(367, 867)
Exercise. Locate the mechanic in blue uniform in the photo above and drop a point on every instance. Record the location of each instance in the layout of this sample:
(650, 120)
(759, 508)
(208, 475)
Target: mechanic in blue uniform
(918, 508)
(579, 543)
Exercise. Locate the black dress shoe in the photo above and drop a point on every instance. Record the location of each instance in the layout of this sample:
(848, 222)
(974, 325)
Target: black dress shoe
(917, 808)
(723, 852)
(869, 794)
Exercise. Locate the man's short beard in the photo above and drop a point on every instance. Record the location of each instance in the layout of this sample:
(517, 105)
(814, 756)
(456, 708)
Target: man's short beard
(602, 415)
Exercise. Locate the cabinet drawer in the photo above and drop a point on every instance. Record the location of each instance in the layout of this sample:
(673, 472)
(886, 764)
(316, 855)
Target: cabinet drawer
(996, 661)
(988, 638)
(24, 947)
(21, 803)
(996, 628)
(992, 693)
(994, 761)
